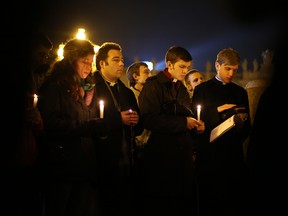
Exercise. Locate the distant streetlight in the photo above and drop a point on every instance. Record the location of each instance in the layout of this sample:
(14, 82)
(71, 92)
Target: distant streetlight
(81, 34)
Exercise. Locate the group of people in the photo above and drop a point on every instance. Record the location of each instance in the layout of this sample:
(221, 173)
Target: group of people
(149, 151)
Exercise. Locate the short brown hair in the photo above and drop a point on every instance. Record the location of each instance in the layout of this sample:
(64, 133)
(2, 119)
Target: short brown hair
(228, 56)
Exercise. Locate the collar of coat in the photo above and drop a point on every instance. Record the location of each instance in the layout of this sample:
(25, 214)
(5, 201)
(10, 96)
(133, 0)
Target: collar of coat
(177, 83)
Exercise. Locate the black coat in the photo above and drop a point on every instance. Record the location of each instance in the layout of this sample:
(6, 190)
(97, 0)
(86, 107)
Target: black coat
(115, 152)
(167, 155)
(221, 164)
(210, 95)
(118, 134)
(67, 149)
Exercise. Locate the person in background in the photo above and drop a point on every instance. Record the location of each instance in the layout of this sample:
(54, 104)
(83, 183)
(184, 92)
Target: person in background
(222, 169)
(168, 165)
(27, 153)
(42, 58)
(72, 132)
(41, 47)
(137, 73)
(193, 77)
(121, 113)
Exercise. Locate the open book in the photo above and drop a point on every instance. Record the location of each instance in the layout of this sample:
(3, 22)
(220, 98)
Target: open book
(222, 128)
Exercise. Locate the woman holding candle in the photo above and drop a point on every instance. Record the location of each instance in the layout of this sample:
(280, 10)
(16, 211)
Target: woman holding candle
(72, 128)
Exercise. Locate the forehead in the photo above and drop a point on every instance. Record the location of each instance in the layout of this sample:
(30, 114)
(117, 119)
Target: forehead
(114, 53)
(143, 68)
(185, 63)
(87, 58)
(229, 66)
(196, 74)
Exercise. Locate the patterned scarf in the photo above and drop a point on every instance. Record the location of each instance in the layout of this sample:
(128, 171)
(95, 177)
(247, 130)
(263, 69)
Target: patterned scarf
(86, 91)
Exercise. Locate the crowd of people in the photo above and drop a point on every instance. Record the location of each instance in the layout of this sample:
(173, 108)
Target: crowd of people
(148, 151)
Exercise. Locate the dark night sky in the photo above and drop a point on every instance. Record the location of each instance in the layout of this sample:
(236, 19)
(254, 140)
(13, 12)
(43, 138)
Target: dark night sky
(147, 28)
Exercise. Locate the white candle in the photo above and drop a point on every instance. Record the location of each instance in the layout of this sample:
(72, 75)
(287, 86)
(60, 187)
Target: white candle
(198, 112)
(35, 100)
(101, 109)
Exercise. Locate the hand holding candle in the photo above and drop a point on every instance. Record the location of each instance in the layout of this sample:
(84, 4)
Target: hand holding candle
(198, 112)
(101, 105)
(35, 100)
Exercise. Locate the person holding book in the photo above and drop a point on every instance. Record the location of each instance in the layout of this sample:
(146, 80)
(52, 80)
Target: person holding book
(222, 170)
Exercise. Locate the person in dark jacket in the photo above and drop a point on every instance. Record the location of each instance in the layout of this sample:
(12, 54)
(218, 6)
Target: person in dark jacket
(168, 163)
(67, 102)
(222, 168)
(121, 114)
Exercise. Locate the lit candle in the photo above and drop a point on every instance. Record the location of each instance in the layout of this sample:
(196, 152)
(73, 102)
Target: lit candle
(35, 100)
(198, 112)
(101, 109)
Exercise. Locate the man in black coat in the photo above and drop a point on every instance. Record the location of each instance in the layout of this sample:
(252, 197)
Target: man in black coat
(168, 155)
(222, 166)
(122, 120)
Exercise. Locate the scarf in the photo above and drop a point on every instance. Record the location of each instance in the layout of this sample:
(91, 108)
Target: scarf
(177, 84)
(86, 91)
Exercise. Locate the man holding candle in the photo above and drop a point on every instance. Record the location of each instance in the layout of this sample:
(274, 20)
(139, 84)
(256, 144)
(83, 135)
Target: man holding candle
(221, 163)
(122, 119)
(168, 166)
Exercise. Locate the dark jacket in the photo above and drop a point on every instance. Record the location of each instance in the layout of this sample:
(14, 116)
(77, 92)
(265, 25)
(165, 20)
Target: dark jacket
(118, 134)
(222, 169)
(168, 152)
(210, 95)
(67, 149)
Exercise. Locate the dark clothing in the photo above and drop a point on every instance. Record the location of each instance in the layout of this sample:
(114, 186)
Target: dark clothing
(222, 168)
(69, 154)
(267, 155)
(115, 153)
(167, 158)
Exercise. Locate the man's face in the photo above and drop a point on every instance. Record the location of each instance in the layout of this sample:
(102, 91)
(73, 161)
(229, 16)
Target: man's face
(113, 67)
(144, 73)
(179, 69)
(226, 72)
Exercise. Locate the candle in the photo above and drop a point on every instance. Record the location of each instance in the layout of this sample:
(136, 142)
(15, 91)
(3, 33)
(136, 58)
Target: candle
(198, 112)
(101, 109)
(35, 100)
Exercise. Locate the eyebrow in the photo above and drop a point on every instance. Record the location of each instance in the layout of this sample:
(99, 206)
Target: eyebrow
(117, 57)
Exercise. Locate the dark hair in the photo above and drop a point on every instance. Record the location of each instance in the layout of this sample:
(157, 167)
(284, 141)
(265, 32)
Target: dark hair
(228, 56)
(134, 69)
(76, 48)
(102, 53)
(176, 53)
